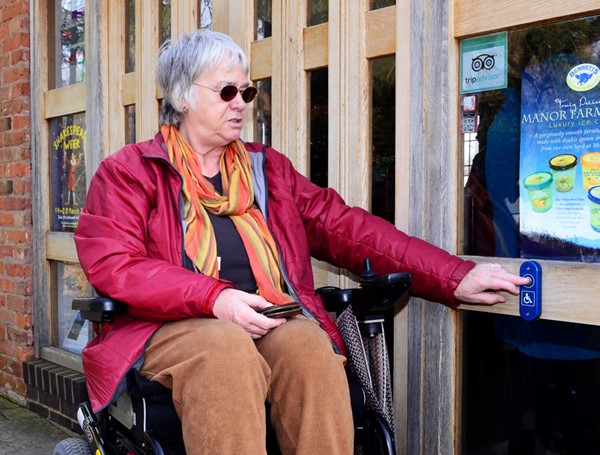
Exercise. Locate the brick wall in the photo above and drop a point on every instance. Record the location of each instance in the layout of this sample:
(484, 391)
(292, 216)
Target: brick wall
(16, 307)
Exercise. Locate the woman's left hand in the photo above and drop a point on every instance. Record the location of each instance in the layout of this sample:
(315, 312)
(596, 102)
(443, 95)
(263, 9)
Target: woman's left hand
(484, 282)
(240, 308)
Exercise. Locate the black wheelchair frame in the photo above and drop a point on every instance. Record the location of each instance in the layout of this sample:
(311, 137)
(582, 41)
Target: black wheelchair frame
(143, 421)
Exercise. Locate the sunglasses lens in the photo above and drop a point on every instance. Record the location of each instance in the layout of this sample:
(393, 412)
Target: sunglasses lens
(249, 93)
(228, 92)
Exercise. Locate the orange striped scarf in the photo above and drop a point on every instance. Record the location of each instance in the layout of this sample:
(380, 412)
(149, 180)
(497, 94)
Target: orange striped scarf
(237, 202)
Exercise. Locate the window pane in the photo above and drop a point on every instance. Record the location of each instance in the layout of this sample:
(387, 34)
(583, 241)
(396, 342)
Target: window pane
(540, 378)
(264, 10)
(69, 43)
(165, 20)
(73, 332)
(318, 12)
(205, 14)
(529, 387)
(376, 4)
(130, 36)
(263, 111)
(67, 142)
(130, 124)
(319, 100)
(383, 73)
(543, 126)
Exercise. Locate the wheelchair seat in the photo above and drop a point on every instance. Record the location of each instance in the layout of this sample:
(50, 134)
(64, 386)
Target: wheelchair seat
(143, 421)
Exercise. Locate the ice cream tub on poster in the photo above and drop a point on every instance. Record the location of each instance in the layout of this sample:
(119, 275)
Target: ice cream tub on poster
(590, 169)
(563, 171)
(539, 190)
(594, 197)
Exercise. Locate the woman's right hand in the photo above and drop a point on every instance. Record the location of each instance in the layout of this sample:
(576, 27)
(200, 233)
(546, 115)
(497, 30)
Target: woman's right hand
(240, 308)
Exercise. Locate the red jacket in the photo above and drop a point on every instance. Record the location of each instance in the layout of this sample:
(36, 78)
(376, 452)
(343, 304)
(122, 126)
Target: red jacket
(130, 245)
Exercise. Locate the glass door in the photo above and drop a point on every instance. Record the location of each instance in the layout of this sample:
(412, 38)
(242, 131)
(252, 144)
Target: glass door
(531, 173)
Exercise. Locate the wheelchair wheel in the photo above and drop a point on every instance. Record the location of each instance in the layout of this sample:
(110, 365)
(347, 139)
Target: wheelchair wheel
(72, 446)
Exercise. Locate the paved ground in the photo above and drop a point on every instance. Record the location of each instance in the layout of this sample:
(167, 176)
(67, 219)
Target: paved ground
(23, 432)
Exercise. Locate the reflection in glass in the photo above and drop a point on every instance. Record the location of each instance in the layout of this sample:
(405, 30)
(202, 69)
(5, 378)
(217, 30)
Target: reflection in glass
(73, 332)
(69, 43)
(264, 11)
(319, 101)
(165, 20)
(263, 111)
(540, 378)
(539, 60)
(130, 36)
(383, 73)
(130, 124)
(376, 4)
(318, 12)
(205, 8)
(68, 181)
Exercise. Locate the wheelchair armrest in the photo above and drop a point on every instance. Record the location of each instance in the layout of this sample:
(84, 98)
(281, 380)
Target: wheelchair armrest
(99, 309)
(377, 296)
(335, 299)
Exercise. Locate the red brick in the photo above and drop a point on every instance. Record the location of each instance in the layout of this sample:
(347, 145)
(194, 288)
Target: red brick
(15, 368)
(24, 290)
(6, 219)
(20, 89)
(14, 74)
(13, 9)
(12, 383)
(19, 337)
(22, 187)
(25, 353)
(15, 138)
(8, 348)
(8, 317)
(16, 105)
(24, 321)
(17, 56)
(14, 236)
(21, 121)
(19, 270)
(17, 41)
(15, 203)
(16, 303)
(7, 286)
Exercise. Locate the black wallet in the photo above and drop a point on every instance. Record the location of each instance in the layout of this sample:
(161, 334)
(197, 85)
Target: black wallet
(285, 310)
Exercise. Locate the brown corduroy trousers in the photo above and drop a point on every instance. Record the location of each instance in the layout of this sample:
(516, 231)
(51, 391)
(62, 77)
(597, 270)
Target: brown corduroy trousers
(221, 379)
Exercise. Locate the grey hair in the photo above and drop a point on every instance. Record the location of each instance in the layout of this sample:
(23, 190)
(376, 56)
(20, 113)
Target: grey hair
(181, 62)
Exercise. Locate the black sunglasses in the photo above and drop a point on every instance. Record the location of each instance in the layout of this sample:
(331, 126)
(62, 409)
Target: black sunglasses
(229, 92)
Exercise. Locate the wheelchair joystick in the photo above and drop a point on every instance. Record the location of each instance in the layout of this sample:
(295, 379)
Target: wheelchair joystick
(368, 275)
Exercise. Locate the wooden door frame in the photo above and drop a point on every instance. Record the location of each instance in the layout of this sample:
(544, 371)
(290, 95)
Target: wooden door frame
(434, 332)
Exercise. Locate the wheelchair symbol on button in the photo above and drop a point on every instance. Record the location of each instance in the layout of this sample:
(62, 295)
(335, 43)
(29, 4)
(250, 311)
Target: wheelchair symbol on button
(528, 298)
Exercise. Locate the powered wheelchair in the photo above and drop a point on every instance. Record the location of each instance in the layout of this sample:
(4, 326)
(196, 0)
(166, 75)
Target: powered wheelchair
(143, 421)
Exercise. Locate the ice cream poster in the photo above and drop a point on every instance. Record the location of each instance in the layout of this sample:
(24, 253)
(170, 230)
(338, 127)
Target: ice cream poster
(68, 173)
(559, 174)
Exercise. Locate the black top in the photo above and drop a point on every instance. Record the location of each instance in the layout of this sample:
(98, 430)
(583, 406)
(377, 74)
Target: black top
(234, 262)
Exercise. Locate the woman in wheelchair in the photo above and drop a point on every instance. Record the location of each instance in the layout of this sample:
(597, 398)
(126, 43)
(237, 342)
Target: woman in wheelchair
(198, 231)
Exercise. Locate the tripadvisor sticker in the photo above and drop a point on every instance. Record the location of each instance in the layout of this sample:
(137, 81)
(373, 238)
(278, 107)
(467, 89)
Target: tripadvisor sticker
(583, 77)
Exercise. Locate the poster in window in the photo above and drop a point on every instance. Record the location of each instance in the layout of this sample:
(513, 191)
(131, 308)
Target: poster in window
(560, 158)
(67, 143)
